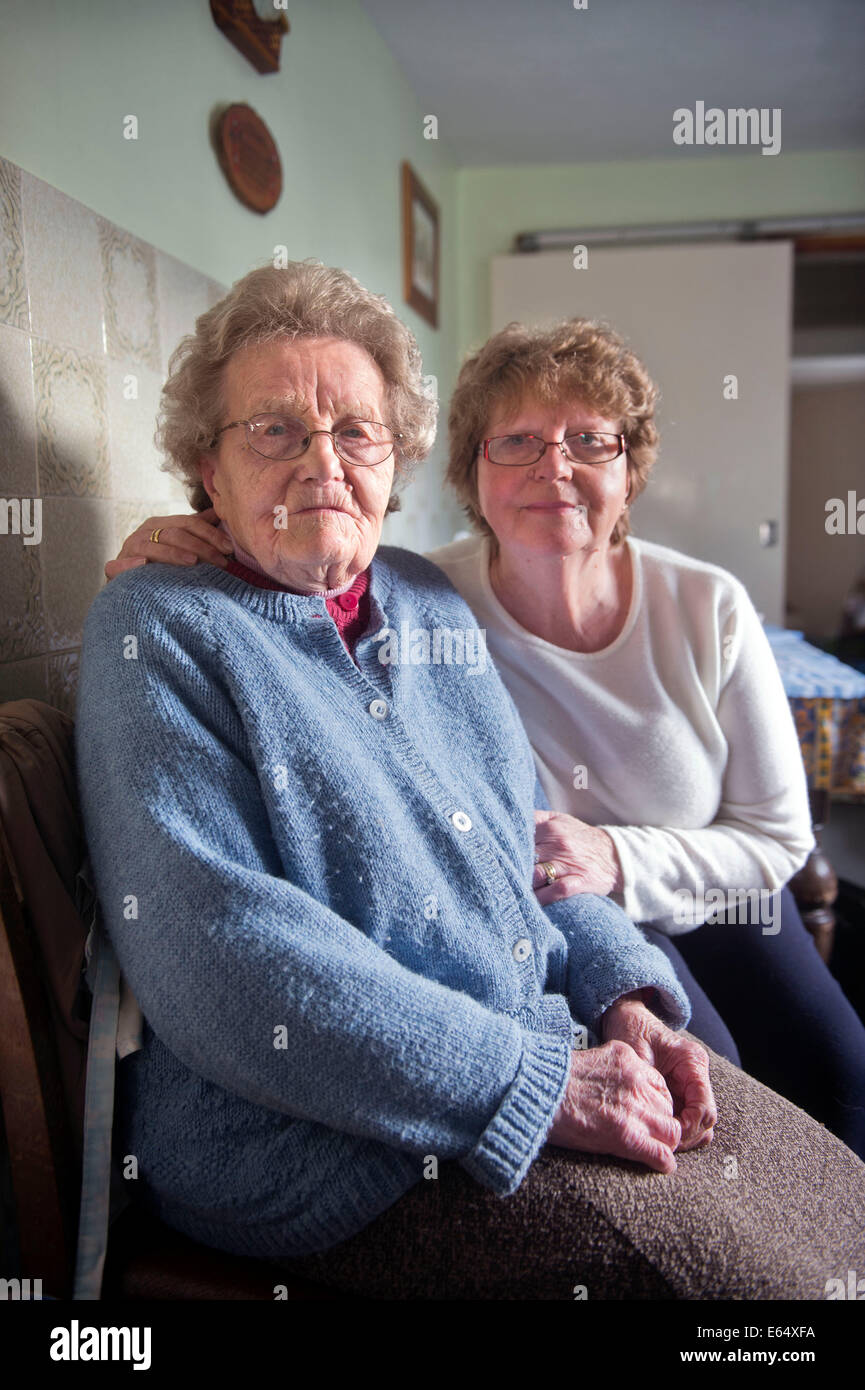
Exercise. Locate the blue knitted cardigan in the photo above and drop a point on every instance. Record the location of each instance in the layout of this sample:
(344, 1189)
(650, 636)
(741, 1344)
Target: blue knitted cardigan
(316, 876)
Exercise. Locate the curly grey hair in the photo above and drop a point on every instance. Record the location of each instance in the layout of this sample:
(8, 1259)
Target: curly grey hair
(305, 299)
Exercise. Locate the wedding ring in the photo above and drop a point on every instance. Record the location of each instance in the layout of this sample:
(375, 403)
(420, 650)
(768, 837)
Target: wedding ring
(549, 871)
(154, 535)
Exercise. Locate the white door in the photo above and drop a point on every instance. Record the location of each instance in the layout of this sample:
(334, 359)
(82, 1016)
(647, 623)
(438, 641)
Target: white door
(697, 315)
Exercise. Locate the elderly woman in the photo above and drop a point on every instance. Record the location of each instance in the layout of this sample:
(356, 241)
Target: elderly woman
(361, 1026)
(651, 698)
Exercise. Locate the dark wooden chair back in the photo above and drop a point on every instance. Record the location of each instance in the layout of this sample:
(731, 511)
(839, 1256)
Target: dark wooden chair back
(42, 1050)
(43, 1163)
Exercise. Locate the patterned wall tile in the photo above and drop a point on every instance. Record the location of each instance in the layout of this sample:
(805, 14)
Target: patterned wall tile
(128, 516)
(182, 295)
(131, 315)
(22, 631)
(64, 267)
(78, 539)
(14, 306)
(17, 424)
(24, 680)
(74, 438)
(61, 680)
(71, 422)
(133, 405)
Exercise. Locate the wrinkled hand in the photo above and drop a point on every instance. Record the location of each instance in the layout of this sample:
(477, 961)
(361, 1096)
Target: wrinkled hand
(583, 856)
(681, 1061)
(615, 1103)
(185, 540)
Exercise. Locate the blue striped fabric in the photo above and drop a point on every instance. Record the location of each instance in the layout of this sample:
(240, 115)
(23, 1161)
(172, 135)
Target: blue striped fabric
(809, 673)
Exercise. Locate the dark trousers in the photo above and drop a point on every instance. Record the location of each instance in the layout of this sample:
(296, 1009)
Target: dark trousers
(771, 1004)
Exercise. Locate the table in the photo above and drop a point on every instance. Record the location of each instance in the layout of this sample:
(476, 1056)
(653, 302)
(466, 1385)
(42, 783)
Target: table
(827, 700)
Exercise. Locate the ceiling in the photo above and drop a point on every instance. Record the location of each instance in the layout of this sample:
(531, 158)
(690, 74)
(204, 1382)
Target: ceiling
(537, 81)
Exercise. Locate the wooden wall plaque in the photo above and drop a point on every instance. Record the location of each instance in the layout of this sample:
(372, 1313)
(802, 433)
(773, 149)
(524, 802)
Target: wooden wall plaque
(257, 39)
(249, 157)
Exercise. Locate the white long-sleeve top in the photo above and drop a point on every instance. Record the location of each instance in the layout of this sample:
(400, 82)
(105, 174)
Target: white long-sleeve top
(677, 739)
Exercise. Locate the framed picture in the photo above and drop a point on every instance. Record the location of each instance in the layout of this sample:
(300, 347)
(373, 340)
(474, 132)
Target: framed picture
(420, 247)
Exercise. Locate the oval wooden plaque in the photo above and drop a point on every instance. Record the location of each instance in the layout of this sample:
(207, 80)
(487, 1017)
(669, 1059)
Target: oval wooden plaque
(249, 157)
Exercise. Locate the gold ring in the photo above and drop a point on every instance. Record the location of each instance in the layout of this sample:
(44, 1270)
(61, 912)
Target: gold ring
(549, 872)
(154, 535)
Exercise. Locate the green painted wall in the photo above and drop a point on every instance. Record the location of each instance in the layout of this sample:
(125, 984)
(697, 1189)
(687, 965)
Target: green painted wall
(340, 109)
(344, 117)
(495, 204)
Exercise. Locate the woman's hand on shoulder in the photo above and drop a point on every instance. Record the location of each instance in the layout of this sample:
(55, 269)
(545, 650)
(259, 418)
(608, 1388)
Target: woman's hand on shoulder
(583, 856)
(681, 1061)
(183, 540)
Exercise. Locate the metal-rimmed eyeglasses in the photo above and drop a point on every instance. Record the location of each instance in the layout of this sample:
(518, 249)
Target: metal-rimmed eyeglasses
(362, 443)
(587, 446)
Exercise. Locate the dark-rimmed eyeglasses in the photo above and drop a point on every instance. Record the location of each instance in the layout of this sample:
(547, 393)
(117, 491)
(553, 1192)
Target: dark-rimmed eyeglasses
(588, 446)
(362, 443)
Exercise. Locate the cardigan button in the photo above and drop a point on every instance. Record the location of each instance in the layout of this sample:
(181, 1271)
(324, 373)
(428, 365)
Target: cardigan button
(461, 820)
(522, 949)
(378, 709)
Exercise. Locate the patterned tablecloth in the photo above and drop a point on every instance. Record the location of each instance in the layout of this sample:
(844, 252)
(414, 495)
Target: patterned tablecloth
(828, 703)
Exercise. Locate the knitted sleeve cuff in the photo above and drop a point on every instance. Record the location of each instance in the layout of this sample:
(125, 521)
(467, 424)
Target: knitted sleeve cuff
(608, 956)
(670, 1002)
(517, 1132)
